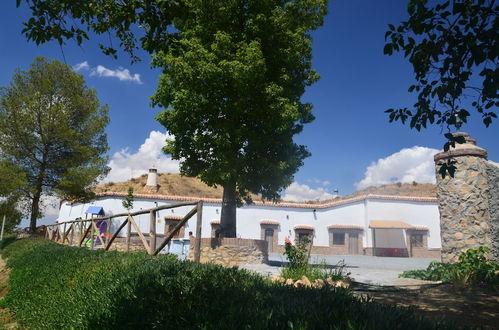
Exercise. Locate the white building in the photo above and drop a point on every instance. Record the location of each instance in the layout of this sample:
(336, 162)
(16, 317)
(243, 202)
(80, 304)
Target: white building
(363, 225)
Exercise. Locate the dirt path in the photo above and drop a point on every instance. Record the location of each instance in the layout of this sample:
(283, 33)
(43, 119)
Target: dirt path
(478, 307)
(6, 319)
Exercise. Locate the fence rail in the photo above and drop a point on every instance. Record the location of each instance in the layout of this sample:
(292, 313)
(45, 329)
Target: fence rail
(86, 230)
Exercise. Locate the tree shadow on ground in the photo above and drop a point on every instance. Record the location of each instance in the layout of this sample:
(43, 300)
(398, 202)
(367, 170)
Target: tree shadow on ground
(471, 308)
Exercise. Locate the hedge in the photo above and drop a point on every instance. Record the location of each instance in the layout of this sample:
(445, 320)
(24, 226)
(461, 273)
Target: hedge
(59, 287)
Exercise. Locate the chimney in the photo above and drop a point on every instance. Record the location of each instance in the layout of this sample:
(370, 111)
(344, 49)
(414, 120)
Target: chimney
(152, 177)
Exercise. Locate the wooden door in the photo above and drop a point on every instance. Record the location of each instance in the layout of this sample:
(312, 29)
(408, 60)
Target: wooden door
(269, 237)
(353, 243)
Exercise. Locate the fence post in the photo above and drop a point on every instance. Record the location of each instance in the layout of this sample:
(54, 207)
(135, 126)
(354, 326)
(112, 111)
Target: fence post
(3, 225)
(72, 234)
(108, 230)
(152, 232)
(128, 233)
(197, 243)
(64, 233)
(92, 231)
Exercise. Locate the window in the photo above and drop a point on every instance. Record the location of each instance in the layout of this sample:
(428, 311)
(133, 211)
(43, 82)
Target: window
(172, 226)
(170, 223)
(338, 238)
(417, 240)
(303, 235)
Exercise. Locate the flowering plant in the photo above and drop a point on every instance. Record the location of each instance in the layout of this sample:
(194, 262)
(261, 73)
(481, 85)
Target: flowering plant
(297, 255)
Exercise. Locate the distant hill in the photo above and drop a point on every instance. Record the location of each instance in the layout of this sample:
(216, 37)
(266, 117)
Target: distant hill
(168, 184)
(176, 185)
(399, 189)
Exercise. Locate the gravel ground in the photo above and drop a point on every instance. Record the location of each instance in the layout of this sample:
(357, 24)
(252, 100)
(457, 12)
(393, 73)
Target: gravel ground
(365, 269)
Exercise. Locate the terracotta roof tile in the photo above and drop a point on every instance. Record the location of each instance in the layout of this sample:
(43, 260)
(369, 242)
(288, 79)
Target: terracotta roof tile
(389, 224)
(173, 217)
(323, 205)
(269, 222)
(306, 227)
(422, 228)
(345, 227)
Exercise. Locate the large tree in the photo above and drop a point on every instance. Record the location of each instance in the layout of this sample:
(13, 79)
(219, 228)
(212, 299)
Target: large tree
(12, 179)
(233, 76)
(453, 48)
(52, 131)
(232, 87)
(9, 209)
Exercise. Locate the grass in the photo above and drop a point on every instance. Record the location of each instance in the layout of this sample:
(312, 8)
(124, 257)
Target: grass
(323, 271)
(60, 287)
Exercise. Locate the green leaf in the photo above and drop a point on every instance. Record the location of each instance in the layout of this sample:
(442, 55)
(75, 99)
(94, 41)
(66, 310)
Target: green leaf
(388, 49)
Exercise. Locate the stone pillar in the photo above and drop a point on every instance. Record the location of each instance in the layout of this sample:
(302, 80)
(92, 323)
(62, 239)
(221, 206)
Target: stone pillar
(493, 177)
(463, 199)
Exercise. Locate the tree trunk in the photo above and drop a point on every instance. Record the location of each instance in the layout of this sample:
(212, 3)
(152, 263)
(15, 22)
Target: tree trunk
(35, 206)
(228, 216)
(35, 209)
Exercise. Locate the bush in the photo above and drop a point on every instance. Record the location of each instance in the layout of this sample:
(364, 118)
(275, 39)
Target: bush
(298, 266)
(473, 269)
(60, 287)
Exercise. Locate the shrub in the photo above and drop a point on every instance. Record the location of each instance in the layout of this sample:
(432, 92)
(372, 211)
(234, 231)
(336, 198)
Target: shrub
(473, 269)
(298, 265)
(61, 287)
(297, 255)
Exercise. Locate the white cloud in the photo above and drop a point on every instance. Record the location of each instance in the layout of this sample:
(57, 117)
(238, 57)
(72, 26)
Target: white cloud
(125, 164)
(301, 192)
(407, 165)
(120, 73)
(101, 71)
(81, 66)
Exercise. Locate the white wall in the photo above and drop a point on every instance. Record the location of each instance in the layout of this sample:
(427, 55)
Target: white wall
(357, 213)
(414, 213)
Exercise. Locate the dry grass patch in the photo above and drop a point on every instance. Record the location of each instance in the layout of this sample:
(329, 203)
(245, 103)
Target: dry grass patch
(6, 319)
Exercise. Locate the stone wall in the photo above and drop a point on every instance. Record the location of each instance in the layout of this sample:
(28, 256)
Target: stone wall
(463, 200)
(493, 178)
(231, 251)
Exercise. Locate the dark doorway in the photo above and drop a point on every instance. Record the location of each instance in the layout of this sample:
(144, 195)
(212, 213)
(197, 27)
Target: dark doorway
(353, 243)
(269, 237)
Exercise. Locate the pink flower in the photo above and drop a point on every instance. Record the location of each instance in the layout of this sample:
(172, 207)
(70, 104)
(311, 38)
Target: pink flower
(287, 240)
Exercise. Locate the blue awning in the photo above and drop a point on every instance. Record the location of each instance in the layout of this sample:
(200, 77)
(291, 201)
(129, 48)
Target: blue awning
(95, 210)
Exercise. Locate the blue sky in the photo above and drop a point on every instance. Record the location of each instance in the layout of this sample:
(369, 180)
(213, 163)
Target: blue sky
(351, 131)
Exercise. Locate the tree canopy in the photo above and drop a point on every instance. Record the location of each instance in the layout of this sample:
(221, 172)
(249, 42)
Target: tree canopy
(231, 87)
(12, 179)
(233, 76)
(453, 49)
(9, 210)
(52, 131)
(132, 22)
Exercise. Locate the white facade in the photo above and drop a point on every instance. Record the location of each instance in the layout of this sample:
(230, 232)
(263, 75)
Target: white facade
(420, 212)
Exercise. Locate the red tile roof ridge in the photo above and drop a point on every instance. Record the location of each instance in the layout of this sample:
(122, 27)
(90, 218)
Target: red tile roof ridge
(269, 222)
(322, 205)
(346, 226)
(306, 227)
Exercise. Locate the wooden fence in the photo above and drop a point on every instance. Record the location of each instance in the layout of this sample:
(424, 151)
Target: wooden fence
(86, 230)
